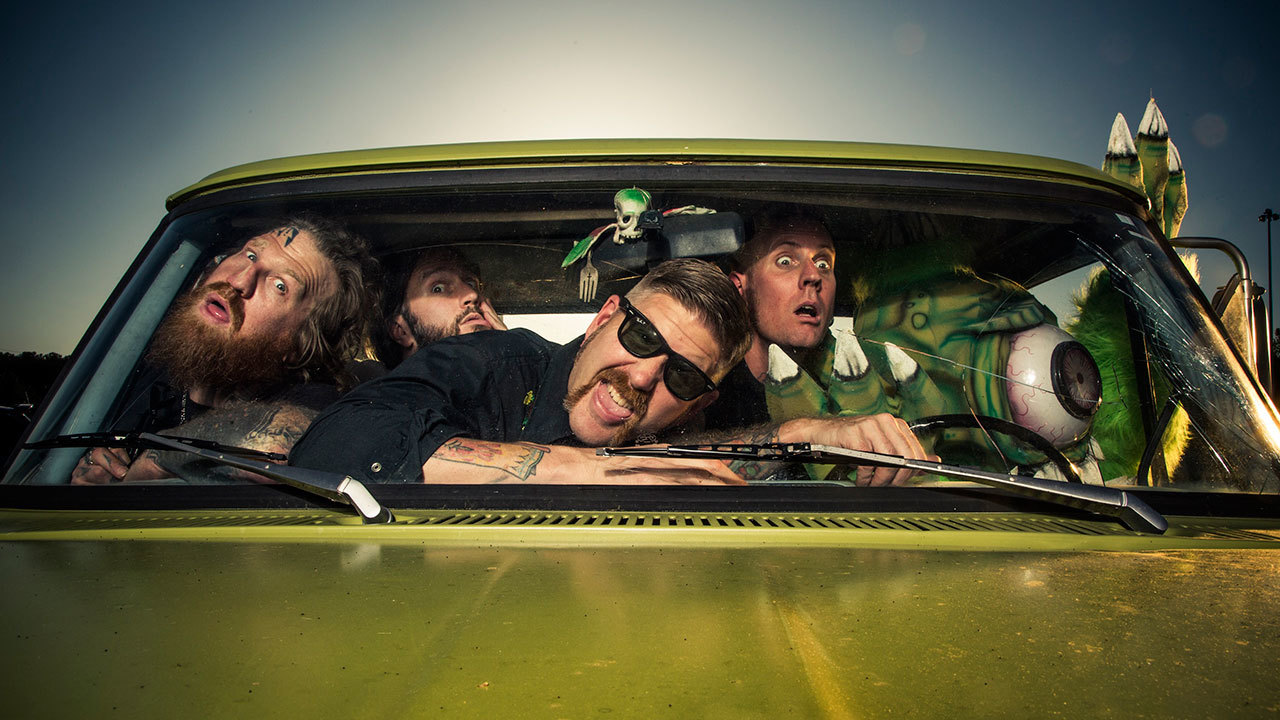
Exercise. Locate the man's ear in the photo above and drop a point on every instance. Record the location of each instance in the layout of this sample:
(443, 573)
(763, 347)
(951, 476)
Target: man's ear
(739, 281)
(606, 312)
(399, 330)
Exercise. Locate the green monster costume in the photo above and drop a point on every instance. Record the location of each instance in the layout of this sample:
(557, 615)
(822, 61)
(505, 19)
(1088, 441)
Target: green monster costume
(937, 345)
(934, 339)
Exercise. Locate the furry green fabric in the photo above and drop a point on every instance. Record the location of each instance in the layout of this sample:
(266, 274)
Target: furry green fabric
(1101, 326)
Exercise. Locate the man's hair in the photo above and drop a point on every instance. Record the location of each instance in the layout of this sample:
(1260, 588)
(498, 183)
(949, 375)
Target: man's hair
(765, 227)
(702, 289)
(394, 303)
(336, 331)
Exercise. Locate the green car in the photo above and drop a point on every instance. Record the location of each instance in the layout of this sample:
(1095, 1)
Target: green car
(1099, 535)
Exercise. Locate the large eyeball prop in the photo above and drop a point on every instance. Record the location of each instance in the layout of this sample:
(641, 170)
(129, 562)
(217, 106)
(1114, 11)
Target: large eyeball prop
(1053, 384)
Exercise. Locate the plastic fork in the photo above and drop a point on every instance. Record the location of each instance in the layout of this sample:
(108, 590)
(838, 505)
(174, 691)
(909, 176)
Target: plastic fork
(588, 281)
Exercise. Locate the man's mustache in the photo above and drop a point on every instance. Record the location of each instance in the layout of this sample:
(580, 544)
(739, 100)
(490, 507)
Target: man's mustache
(635, 399)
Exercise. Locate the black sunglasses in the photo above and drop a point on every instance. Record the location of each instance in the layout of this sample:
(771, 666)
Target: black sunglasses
(639, 337)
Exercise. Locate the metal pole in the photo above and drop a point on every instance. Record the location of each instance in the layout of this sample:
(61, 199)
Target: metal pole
(1267, 216)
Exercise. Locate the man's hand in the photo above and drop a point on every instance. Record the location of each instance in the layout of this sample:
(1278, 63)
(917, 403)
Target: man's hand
(100, 466)
(486, 309)
(883, 433)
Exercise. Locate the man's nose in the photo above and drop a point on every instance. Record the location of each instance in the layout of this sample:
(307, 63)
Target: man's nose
(809, 275)
(646, 373)
(245, 281)
(470, 296)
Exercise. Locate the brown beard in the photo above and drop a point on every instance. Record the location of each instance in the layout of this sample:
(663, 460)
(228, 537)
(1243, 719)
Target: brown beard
(638, 401)
(424, 333)
(196, 355)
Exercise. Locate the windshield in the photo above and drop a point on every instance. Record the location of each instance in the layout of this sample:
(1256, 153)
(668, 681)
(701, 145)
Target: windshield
(1015, 331)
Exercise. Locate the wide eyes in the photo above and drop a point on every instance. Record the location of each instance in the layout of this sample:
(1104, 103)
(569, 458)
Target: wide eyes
(788, 262)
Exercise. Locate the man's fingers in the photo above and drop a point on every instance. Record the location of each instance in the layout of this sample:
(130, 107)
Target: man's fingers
(86, 474)
(114, 460)
(492, 316)
(887, 435)
(101, 465)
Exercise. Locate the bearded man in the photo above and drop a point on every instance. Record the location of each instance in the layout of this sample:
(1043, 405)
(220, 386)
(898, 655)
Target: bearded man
(437, 295)
(255, 349)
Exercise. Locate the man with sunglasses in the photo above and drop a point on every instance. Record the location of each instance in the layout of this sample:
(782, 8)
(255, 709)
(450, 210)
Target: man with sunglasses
(513, 407)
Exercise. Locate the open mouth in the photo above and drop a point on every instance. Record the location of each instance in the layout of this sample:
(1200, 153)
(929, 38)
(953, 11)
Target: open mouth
(222, 307)
(808, 311)
(612, 405)
(217, 309)
(617, 403)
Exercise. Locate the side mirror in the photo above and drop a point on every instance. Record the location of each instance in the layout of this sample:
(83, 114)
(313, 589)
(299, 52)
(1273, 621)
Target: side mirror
(1240, 307)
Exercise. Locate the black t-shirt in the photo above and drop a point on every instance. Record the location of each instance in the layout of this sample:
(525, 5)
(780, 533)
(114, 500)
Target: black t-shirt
(741, 402)
(502, 386)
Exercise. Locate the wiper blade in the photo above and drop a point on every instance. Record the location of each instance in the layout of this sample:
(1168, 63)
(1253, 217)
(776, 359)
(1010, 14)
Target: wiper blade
(332, 486)
(1129, 509)
(135, 440)
(339, 488)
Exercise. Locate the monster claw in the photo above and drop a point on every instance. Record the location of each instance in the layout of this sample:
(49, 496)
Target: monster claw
(790, 392)
(850, 361)
(782, 368)
(903, 367)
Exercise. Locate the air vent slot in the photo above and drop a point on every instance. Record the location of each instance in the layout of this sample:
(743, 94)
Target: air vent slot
(710, 522)
(780, 521)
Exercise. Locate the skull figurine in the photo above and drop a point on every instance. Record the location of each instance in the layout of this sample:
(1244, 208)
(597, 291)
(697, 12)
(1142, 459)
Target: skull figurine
(629, 204)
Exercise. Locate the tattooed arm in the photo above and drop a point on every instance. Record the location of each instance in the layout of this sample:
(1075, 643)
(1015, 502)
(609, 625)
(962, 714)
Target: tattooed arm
(270, 427)
(465, 460)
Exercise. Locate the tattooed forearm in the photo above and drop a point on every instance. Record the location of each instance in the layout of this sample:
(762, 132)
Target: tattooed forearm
(254, 425)
(518, 460)
(259, 426)
(755, 470)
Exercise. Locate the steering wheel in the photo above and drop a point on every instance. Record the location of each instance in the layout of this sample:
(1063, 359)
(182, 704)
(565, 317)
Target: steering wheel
(1004, 427)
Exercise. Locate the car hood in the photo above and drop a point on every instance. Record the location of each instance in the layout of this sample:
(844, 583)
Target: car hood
(292, 613)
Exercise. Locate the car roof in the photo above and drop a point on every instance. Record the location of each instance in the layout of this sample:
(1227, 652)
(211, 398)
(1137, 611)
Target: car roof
(675, 151)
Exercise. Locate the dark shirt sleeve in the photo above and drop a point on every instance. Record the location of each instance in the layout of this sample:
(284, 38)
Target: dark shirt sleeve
(383, 431)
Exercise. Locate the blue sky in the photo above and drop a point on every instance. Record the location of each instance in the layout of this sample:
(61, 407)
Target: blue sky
(112, 107)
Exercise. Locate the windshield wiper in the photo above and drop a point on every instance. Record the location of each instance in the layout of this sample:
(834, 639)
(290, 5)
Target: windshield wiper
(136, 441)
(1129, 509)
(332, 486)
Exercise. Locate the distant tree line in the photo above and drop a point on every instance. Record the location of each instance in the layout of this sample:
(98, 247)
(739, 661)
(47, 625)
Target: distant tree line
(24, 380)
(26, 377)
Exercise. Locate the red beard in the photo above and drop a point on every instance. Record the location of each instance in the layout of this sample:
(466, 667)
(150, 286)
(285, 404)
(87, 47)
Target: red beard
(196, 355)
